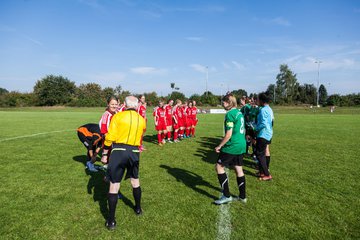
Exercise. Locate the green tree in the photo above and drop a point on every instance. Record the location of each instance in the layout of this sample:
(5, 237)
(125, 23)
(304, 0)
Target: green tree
(3, 91)
(322, 95)
(152, 98)
(90, 95)
(210, 99)
(176, 95)
(286, 85)
(334, 100)
(197, 98)
(270, 92)
(108, 92)
(54, 90)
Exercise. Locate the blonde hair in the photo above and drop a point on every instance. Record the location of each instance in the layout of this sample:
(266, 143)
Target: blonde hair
(231, 100)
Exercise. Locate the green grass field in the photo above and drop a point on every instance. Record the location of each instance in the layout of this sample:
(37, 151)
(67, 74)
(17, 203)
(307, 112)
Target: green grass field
(46, 193)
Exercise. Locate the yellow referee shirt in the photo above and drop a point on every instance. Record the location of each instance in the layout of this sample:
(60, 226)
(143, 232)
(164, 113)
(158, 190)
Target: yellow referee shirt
(126, 127)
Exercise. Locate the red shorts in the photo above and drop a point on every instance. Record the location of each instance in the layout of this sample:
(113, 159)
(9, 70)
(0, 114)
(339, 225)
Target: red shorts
(161, 126)
(169, 122)
(178, 125)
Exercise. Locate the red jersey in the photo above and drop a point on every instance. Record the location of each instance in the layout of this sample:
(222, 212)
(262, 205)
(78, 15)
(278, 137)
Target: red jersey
(177, 114)
(193, 112)
(104, 122)
(168, 111)
(142, 111)
(121, 108)
(184, 109)
(159, 114)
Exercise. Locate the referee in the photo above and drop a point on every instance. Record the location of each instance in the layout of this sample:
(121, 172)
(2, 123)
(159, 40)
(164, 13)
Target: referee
(124, 135)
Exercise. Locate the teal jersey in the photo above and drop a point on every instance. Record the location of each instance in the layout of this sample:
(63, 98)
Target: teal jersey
(234, 120)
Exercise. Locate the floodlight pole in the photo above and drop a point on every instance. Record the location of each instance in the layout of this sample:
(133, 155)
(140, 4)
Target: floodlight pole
(207, 78)
(318, 83)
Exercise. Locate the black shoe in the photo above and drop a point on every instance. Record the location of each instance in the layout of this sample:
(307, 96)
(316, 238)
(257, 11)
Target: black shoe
(110, 225)
(138, 211)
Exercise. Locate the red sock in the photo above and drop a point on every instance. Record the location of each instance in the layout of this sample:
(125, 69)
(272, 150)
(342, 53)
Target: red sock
(162, 136)
(169, 135)
(159, 138)
(187, 131)
(175, 135)
(181, 132)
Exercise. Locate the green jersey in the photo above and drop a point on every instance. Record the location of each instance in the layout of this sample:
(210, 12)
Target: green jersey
(245, 110)
(254, 111)
(237, 144)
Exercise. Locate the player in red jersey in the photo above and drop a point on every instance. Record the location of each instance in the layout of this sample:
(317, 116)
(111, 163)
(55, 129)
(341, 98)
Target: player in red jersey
(177, 119)
(194, 118)
(112, 105)
(189, 119)
(104, 123)
(185, 121)
(142, 111)
(160, 122)
(168, 113)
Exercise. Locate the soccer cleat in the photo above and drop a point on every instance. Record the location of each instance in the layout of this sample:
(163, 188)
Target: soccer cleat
(163, 141)
(90, 166)
(160, 144)
(243, 200)
(169, 141)
(258, 174)
(176, 141)
(110, 225)
(138, 211)
(265, 178)
(223, 200)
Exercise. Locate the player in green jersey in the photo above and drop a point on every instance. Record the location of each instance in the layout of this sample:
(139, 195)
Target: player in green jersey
(231, 150)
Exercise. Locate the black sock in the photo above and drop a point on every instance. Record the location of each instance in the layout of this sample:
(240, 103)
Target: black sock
(112, 201)
(268, 161)
(241, 185)
(137, 197)
(224, 183)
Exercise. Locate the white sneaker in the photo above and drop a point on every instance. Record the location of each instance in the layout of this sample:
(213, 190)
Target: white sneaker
(223, 200)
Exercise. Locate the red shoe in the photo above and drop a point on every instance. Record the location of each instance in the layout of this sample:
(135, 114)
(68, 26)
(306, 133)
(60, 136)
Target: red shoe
(265, 178)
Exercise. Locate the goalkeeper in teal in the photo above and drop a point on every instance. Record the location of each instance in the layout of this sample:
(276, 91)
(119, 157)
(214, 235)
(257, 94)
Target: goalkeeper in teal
(264, 133)
(231, 150)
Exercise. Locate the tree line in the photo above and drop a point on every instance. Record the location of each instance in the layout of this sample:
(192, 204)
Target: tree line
(58, 90)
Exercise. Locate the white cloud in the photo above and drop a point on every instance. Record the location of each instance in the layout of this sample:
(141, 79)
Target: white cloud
(148, 70)
(238, 66)
(308, 64)
(198, 68)
(195, 39)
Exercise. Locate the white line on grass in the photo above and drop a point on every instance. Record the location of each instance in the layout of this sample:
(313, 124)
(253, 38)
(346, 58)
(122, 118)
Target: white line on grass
(224, 221)
(33, 135)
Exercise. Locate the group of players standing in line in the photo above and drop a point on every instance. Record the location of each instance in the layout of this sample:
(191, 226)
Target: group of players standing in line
(172, 123)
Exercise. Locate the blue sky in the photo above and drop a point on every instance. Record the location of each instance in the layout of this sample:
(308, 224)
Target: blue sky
(145, 45)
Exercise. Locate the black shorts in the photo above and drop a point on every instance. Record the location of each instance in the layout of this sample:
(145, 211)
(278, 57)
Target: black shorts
(230, 160)
(84, 140)
(123, 157)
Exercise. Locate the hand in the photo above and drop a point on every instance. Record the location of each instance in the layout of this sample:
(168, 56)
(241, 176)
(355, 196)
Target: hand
(104, 159)
(217, 149)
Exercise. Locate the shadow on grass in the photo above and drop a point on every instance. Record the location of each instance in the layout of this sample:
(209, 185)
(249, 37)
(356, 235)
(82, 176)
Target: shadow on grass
(191, 180)
(96, 186)
(150, 138)
(206, 150)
